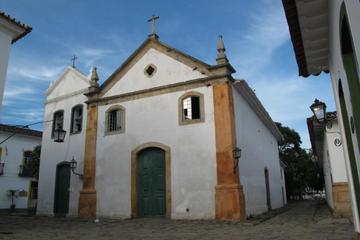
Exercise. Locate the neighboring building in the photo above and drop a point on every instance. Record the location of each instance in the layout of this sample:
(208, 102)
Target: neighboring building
(161, 136)
(10, 31)
(326, 37)
(326, 143)
(15, 174)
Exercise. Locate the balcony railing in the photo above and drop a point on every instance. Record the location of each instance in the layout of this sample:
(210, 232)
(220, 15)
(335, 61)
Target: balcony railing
(25, 171)
(2, 168)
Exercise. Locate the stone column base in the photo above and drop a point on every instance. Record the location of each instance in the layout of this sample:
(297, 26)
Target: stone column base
(87, 203)
(229, 202)
(341, 198)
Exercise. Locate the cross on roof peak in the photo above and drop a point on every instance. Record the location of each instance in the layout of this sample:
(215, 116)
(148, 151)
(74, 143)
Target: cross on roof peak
(152, 20)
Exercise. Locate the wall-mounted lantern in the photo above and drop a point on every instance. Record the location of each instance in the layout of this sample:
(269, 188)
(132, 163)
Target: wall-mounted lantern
(73, 166)
(237, 156)
(59, 135)
(319, 110)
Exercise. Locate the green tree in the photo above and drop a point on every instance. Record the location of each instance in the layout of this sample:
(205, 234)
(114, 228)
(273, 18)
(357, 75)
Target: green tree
(34, 164)
(301, 172)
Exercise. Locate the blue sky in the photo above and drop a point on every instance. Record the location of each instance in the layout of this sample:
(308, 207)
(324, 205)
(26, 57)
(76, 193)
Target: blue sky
(105, 33)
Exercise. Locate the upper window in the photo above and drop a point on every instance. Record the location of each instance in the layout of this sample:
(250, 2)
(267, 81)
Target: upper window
(191, 108)
(150, 70)
(76, 119)
(27, 157)
(115, 120)
(58, 121)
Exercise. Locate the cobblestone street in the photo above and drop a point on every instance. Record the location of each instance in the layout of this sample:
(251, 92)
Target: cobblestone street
(304, 220)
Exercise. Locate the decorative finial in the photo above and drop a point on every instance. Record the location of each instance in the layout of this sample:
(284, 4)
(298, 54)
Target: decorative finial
(152, 20)
(94, 78)
(73, 60)
(221, 57)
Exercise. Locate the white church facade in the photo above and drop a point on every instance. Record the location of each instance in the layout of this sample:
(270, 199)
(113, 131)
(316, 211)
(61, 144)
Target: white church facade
(165, 134)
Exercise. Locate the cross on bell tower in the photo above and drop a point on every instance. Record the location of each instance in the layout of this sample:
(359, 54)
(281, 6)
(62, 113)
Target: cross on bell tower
(152, 20)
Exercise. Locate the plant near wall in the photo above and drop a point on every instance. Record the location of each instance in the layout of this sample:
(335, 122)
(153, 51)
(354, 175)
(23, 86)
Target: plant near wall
(302, 174)
(34, 164)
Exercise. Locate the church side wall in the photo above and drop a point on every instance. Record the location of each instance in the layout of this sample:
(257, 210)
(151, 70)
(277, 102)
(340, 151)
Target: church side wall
(259, 150)
(192, 153)
(337, 72)
(53, 153)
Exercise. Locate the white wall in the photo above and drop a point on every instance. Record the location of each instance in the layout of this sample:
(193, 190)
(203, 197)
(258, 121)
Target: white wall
(12, 157)
(53, 153)
(338, 72)
(193, 156)
(259, 150)
(5, 43)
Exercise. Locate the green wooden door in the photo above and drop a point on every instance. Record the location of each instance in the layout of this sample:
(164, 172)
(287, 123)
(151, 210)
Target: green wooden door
(62, 184)
(151, 182)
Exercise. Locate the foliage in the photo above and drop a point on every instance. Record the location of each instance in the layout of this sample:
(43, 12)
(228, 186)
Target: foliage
(34, 164)
(302, 174)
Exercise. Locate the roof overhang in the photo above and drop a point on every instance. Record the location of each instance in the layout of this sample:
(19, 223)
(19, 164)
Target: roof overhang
(309, 30)
(16, 28)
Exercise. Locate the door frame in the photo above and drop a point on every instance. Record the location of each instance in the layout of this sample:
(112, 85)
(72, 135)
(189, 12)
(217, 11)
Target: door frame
(267, 188)
(65, 163)
(134, 160)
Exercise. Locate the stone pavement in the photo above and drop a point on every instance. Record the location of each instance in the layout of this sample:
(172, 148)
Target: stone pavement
(303, 220)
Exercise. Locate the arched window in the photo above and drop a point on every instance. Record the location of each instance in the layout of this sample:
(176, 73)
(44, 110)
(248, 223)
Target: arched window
(115, 120)
(76, 119)
(58, 121)
(191, 108)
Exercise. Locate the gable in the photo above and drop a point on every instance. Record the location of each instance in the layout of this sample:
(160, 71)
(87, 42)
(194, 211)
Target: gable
(167, 71)
(70, 82)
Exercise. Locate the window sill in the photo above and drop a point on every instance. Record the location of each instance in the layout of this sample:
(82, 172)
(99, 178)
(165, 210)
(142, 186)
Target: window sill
(194, 121)
(115, 132)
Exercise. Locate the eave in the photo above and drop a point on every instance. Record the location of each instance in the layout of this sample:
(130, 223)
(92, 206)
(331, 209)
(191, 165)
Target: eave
(21, 28)
(308, 27)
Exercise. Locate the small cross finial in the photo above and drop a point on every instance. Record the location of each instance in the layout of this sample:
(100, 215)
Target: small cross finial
(152, 20)
(73, 59)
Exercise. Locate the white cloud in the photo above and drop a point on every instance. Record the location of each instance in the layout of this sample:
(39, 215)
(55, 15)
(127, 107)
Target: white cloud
(31, 71)
(268, 30)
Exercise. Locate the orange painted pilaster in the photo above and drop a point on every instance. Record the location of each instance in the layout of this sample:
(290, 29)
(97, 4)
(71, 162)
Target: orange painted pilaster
(229, 195)
(87, 200)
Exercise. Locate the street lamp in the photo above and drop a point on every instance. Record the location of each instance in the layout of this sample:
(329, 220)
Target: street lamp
(319, 110)
(59, 135)
(73, 166)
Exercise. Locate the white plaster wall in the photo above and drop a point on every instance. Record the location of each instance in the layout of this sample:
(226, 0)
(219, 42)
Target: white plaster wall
(12, 157)
(168, 71)
(5, 43)
(337, 72)
(283, 185)
(259, 150)
(53, 153)
(193, 156)
(337, 161)
(327, 175)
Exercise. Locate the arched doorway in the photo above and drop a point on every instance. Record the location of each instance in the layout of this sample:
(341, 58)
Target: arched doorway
(62, 185)
(150, 181)
(352, 70)
(350, 146)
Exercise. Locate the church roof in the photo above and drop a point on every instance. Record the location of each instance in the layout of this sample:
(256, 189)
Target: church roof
(20, 130)
(153, 42)
(308, 26)
(26, 28)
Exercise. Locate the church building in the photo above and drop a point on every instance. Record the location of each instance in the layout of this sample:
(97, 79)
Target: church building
(165, 135)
